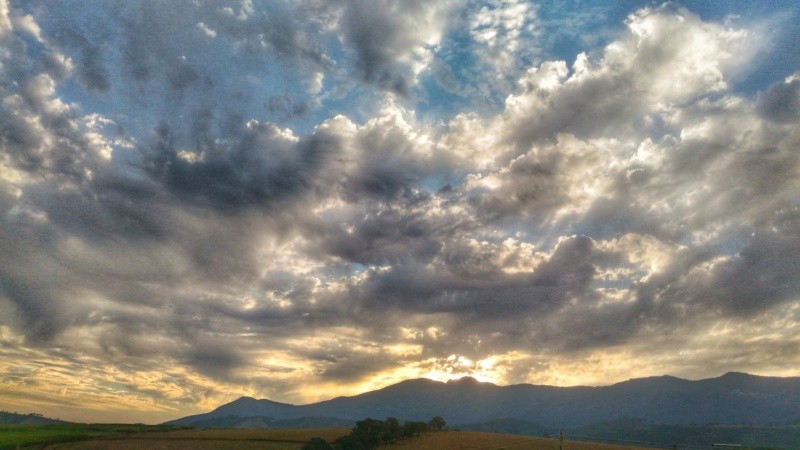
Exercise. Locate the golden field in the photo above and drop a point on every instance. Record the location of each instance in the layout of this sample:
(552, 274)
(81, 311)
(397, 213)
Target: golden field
(219, 439)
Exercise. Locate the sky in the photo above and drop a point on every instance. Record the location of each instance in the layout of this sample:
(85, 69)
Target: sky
(297, 200)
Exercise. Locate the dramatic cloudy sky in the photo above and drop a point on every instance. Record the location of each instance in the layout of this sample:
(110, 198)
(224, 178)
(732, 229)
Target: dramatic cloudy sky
(303, 199)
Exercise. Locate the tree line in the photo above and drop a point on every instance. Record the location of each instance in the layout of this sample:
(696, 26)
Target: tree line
(370, 433)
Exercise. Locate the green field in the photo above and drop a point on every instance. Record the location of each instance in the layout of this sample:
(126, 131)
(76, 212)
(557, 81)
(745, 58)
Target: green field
(37, 436)
(470, 440)
(130, 437)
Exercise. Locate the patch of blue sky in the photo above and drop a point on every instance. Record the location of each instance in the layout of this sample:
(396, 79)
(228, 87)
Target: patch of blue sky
(458, 80)
(442, 180)
(35, 51)
(575, 26)
(435, 103)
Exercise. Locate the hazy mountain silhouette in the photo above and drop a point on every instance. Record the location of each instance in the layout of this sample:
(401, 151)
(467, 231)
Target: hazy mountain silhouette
(9, 418)
(734, 398)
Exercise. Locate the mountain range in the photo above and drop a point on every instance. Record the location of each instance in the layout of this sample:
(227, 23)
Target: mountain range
(731, 399)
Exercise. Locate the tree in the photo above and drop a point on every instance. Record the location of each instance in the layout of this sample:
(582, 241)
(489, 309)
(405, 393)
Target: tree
(437, 424)
(369, 432)
(391, 430)
(414, 428)
(317, 444)
(349, 442)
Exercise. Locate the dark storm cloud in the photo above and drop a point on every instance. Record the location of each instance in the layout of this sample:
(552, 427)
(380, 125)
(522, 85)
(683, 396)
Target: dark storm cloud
(469, 285)
(631, 200)
(343, 363)
(758, 277)
(385, 36)
(264, 168)
(386, 236)
(56, 65)
(43, 319)
(91, 65)
(282, 108)
(35, 249)
(111, 205)
(532, 184)
(32, 121)
(214, 360)
(93, 70)
(369, 28)
(781, 103)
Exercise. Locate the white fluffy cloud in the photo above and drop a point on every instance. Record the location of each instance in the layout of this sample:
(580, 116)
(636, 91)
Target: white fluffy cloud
(160, 209)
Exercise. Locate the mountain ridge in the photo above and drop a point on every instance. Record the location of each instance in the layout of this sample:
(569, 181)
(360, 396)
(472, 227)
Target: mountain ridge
(732, 398)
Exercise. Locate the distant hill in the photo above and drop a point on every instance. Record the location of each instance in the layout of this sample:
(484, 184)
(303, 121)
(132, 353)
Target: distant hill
(7, 418)
(734, 398)
(234, 421)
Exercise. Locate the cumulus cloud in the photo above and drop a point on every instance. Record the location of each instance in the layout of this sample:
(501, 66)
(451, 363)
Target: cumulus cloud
(782, 102)
(259, 200)
(392, 40)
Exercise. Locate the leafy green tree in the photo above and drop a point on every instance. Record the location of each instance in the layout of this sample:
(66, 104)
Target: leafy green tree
(414, 428)
(437, 424)
(317, 444)
(349, 442)
(391, 430)
(370, 433)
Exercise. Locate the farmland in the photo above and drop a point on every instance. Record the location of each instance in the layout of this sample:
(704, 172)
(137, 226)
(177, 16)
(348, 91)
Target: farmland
(26, 436)
(78, 436)
(129, 437)
(466, 440)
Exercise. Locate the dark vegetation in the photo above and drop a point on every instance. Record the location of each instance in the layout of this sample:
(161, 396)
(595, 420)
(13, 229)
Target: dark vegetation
(370, 433)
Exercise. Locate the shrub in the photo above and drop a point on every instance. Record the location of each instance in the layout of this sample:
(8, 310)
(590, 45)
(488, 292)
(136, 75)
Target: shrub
(317, 444)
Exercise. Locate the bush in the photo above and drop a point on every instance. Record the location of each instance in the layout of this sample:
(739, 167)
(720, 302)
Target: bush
(317, 444)
(350, 442)
(437, 424)
(370, 433)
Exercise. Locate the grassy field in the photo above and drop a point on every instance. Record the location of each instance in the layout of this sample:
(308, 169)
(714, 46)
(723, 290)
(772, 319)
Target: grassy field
(130, 437)
(38, 436)
(470, 440)
(207, 439)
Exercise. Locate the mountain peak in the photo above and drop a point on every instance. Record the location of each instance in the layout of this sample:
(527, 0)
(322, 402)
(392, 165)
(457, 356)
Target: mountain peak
(737, 375)
(467, 380)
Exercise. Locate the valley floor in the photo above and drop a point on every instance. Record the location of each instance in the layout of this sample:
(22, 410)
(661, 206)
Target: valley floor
(213, 439)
